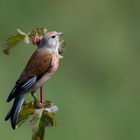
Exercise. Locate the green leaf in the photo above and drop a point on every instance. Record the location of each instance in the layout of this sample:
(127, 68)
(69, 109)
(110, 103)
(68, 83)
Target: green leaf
(12, 41)
(37, 125)
(44, 117)
(27, 110)
(62, 45)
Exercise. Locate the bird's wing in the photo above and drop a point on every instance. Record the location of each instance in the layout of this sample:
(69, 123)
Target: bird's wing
(39, 63)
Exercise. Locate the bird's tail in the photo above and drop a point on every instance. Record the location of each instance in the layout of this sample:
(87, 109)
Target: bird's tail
(13, 113)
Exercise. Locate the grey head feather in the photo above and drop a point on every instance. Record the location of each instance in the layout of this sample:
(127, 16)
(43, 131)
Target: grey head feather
(43, 42)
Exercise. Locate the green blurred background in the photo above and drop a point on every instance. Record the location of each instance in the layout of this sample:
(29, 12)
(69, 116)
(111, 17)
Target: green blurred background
(97, 85)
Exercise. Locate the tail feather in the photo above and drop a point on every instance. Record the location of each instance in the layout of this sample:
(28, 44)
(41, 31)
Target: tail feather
(11, 94)
(8, 116)
(13, 113)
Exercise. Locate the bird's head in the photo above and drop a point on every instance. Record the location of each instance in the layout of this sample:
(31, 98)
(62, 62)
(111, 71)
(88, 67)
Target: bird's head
(51, 41)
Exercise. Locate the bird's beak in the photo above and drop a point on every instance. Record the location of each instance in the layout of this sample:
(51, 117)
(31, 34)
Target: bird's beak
(60, 34)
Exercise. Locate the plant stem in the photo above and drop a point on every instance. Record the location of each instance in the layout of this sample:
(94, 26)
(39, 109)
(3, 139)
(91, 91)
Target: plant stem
(42, 97)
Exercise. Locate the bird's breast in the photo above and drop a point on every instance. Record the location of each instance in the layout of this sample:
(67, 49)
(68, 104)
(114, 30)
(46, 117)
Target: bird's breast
(50, 73)
(55, 64)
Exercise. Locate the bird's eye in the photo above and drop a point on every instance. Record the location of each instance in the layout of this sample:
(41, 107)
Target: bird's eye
(53, 36)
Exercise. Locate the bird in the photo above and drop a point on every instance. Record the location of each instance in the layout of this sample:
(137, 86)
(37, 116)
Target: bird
(41, 66)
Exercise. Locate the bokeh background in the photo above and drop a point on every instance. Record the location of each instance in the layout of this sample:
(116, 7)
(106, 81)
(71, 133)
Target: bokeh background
(97, 85)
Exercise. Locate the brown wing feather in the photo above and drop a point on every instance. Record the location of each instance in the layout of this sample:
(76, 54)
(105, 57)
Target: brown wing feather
(39, 62)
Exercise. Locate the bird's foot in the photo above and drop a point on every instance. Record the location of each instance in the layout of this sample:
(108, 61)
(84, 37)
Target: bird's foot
(33, 95)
